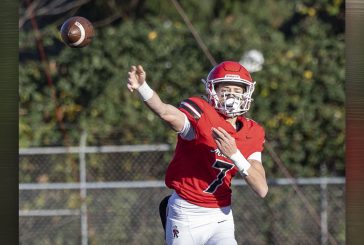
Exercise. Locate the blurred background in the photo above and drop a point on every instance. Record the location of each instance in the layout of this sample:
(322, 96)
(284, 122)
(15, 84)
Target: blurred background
(92, 157)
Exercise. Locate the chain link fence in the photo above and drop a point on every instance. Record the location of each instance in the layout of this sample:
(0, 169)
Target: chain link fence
(110, 195)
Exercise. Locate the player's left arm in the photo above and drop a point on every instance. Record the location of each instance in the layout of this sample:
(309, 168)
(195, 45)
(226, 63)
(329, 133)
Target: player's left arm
(251, 169)
(256, 178)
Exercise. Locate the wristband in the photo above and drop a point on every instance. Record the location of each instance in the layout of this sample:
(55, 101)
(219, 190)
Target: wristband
(241, 163)
(145, 91)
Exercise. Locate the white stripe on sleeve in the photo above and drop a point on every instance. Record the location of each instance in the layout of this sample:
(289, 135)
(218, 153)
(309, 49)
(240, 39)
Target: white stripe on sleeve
(191, 108)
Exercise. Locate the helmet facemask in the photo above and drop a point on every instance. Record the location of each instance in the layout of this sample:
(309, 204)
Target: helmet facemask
(230, 104)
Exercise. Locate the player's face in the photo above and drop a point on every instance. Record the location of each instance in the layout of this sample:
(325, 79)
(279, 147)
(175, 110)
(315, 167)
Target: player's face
(229, 90)
(230, 97)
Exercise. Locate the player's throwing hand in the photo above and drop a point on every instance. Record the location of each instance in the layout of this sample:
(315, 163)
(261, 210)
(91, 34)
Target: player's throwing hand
(136, 77)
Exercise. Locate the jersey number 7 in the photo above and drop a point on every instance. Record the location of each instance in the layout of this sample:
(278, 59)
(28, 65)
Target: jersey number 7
(224, 167)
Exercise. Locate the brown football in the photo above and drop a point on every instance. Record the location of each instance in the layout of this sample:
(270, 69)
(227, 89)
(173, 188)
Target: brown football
(77, 32)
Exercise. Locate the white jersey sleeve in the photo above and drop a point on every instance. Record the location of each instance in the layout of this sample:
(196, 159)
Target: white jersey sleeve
(187, 132)
(256, 156)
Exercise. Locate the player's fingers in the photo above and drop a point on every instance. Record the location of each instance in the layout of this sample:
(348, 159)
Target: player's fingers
(218, 143)
(130, 87)
(226, 134)
(132, 68)
(218, 133)
(215, 135)
(215, 131)
(140, 69)
(130, 74)
(221, 147)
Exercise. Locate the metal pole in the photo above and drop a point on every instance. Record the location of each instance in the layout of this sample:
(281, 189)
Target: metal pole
(83, 188)
(324, 206)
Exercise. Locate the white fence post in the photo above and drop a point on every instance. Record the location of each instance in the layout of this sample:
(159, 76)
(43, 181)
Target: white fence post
(83, 188)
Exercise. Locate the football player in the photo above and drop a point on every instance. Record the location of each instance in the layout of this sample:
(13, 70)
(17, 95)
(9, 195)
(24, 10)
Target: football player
(215, 142)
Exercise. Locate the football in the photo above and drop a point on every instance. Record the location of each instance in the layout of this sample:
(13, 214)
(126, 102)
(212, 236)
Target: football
(77, 32)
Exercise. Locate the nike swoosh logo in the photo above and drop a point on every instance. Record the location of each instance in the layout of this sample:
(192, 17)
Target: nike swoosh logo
(221, 221)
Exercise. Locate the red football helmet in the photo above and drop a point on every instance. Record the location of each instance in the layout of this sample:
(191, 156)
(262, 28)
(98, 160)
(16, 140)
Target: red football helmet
(231, 72)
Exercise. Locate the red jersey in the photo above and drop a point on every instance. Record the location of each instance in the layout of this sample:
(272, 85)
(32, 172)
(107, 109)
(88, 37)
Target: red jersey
(198, 172)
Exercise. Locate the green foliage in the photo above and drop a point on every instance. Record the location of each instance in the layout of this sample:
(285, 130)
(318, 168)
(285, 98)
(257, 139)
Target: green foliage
(299, 97)
(302, 101)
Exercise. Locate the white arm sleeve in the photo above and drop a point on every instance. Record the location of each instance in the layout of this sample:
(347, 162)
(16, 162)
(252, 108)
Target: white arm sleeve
(187, 132)
(256, 156)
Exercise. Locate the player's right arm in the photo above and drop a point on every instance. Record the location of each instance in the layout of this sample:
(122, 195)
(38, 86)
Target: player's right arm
(168, 113)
